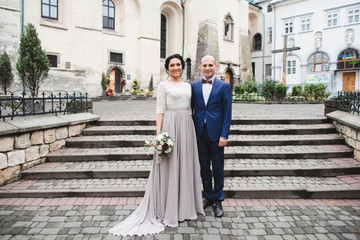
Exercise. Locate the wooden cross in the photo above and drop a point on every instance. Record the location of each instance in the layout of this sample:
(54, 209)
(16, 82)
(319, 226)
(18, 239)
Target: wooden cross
(284, 51)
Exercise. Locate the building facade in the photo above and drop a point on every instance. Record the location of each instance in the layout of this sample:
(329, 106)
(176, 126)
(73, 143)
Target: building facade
(128, 40)
(321, 39)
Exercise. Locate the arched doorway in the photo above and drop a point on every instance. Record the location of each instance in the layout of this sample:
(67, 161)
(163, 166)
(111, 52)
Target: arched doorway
(116, 75)
(229, 77)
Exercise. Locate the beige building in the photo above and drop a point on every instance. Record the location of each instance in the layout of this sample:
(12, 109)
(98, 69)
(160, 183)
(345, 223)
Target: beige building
(129, 39)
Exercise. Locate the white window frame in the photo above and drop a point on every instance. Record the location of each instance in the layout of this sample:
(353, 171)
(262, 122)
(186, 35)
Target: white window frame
(354, 14)
(330, 17)
(291, 67)
(305, 24)
(289, 25)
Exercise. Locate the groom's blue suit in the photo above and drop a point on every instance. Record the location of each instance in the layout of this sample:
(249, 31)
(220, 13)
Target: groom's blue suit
(212, 121)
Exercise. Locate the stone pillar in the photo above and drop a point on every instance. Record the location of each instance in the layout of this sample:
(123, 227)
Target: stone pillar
(245, 56)
(207, 44)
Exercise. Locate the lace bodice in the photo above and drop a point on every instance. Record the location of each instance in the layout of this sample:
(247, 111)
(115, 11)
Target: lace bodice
(172, 95)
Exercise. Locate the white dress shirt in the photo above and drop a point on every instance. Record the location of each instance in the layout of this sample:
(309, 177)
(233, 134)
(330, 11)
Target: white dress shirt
(206, 89)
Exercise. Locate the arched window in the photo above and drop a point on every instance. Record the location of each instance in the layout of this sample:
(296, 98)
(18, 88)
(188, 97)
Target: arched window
(318, 62)
(163, 37)
(348, 59)
(108, 14)
(49, 9)
(228, 28)
(257, 42)
(188, 68)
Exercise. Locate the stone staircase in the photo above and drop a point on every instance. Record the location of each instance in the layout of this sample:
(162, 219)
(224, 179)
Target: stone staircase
(279, 158)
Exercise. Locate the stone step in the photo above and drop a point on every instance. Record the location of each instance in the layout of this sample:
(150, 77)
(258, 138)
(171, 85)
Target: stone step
(233, 167)
(294, 129)
(259, 152)
(234, 140)
(235, 187)
(131, 122)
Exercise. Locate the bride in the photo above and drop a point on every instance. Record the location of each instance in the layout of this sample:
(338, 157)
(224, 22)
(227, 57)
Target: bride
(173, 191)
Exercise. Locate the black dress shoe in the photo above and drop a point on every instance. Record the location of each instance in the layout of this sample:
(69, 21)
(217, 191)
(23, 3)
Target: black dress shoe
(207, 203)
(218, 210)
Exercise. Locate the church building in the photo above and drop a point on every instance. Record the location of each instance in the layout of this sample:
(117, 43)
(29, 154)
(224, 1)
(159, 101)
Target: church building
(129, 40)
(308, 41)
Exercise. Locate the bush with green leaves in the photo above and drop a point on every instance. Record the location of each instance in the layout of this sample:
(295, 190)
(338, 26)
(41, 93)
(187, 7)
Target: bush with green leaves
(104, 82)
(239, 88)
(280, 91)
(297, 91)
(251, 86)
(33, 65)
(315, 91)
(267, 89)
(6, 75)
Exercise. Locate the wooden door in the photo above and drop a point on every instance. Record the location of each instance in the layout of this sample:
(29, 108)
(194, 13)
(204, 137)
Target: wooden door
(348, 81)
(227, 77)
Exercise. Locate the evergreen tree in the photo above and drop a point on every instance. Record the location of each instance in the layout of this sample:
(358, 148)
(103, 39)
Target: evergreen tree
(151, 84)
(6, 75)
(33, 65)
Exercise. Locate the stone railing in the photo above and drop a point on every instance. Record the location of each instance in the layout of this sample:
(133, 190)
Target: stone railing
(25, 141)
(348, 125)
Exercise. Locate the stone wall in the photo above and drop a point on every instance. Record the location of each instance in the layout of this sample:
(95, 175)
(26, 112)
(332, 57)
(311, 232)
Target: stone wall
(348, 125)
(29, 146)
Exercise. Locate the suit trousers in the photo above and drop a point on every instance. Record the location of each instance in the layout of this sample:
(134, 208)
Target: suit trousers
(211, 156)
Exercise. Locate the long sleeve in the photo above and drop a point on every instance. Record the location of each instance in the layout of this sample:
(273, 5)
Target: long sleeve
(161, 99)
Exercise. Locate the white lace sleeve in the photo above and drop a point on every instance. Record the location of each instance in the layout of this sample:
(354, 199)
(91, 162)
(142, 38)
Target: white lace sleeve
(161, 99)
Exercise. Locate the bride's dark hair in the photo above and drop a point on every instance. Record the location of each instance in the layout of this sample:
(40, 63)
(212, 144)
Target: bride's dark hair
(178, 56)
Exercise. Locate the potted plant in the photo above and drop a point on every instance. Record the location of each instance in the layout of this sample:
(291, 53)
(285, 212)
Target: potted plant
(104, 83)
(110, 92)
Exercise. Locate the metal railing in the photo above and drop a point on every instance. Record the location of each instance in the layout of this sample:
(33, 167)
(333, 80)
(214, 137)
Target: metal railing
(14, 105)
(349, 101)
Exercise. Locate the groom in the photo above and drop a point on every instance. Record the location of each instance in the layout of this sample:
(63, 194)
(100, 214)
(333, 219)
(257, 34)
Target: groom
(211, 106)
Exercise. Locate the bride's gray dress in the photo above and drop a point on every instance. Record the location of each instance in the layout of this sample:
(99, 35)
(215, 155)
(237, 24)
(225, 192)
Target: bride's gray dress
(173, 191)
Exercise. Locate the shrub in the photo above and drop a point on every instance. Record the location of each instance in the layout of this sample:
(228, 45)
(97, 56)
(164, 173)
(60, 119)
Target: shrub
(309, 91)
(135, 85)
(104, 82)
(280, 91)
(297, 91)
(251, 86)
(33, 65)
(6, 75)
(151, 84)
(267, 89)
(239, 89)
(320, 91)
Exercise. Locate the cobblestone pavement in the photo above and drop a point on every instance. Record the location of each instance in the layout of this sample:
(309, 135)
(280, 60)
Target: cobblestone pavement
(244, 219)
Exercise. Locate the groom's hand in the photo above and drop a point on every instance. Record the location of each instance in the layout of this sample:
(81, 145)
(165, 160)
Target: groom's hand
(222, 142)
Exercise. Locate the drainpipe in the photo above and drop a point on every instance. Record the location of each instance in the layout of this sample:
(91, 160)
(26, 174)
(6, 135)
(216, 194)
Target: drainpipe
(183, 35)
(22, 31)
(263, 51)
(22, 16)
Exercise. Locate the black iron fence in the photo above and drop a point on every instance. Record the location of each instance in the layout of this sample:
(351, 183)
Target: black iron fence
(14, 105)
(349, 101)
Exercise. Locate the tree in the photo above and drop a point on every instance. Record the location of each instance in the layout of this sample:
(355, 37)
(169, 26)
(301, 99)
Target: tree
(33, 65)
(151, 84)
(6, 75)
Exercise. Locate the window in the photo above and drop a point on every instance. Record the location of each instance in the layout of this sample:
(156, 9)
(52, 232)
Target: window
(49, 9)
(305, 24)
(332, 19)
(289, 27)
(318, 62)
(53, 59)
(257, 42)
(116, 57)
(108, 14)
(291, 67)
(270, 34)
(267, 69)
(348, 59)
(188, 68)
(354, 16)
(228, 28)
(163, 37)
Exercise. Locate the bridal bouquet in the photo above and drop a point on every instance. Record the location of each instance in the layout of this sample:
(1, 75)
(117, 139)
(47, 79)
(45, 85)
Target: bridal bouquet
(162, 144)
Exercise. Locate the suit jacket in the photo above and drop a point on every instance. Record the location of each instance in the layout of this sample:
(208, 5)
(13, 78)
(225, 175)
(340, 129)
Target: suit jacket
(217, 112)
